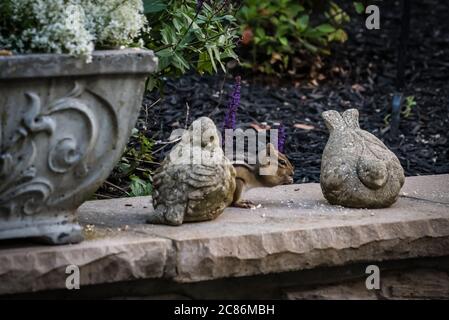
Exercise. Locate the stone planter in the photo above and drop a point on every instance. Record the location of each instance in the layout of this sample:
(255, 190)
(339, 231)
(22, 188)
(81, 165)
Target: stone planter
(63, 126)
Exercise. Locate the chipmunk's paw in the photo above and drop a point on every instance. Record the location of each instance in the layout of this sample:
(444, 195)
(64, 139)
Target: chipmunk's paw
(245, 204)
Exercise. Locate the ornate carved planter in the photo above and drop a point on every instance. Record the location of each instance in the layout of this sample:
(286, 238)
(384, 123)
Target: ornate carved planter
(63, 126)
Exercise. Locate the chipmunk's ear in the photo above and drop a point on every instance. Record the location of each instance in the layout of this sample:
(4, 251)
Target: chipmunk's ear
(268, 163)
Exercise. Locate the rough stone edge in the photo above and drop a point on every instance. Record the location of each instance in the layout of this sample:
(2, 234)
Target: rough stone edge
(431, 240)
(125, 61)
(35, 273)
(253, 255)
(409, 283)
(173, 259)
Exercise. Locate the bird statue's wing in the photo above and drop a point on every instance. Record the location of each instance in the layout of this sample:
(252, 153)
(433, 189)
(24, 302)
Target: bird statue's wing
(206, 191)
(370, 138)
(202, 177)
(169, 196)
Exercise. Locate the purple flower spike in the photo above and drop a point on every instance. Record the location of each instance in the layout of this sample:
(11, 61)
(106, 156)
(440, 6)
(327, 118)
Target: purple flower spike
(281, 138)
(234, 102)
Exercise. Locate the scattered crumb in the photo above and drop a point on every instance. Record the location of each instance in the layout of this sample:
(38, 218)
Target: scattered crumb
(5, 53)
(89, 228)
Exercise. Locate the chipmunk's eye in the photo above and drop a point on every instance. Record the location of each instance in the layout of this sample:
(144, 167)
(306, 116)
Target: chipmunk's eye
(282, 162)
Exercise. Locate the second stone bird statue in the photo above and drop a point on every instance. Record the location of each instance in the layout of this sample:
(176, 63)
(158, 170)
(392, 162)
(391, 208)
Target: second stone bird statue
(357, 169)
(195, 182)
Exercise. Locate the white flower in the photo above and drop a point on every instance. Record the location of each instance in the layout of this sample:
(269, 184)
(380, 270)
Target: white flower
(115, 22)
(71, 26)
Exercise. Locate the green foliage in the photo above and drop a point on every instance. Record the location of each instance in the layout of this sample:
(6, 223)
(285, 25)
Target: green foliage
(154, 6)
(185, 38)
(134, 164)
(277, 30)
(359, 7)
(140, 187)
(144, 151)
(409, 104)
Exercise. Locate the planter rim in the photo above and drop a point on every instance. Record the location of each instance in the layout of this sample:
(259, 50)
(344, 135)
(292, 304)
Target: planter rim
(126, 61)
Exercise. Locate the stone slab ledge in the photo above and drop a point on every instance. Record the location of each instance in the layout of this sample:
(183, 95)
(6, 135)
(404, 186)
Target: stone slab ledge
(294, 229)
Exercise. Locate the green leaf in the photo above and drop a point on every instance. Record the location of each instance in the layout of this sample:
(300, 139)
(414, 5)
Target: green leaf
(229, 53)
(260, 32)
(359, 7)
(152, 6)
(309, 46)
(177, 24)
(165, 57)
(167, 52)
(312, 33)
(123, 167)
(293, 10)
(339, 35)
(302, 22)
(152, 82)
(283, 41)
(325, 28)
(168, 35)
(204, 64)
(211, 55)
(181, 43)
(179, 62)
(139, 187)
(218, 58)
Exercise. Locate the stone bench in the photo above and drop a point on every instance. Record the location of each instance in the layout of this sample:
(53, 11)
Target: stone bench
(294, 245)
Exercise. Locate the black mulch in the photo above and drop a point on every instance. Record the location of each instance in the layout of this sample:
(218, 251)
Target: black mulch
(360, 74)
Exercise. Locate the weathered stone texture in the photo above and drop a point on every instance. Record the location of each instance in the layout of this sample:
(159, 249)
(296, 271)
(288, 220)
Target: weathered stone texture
(294, 230)
(404, 284)
(357, 169)
(195, 182)
(63, 126)
(100, 261)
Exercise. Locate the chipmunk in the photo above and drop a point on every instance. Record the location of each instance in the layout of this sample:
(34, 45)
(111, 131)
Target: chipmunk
(248, 176)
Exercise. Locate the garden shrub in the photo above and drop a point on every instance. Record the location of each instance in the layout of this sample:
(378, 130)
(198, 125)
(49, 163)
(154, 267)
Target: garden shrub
(278, 34)
(191, 34)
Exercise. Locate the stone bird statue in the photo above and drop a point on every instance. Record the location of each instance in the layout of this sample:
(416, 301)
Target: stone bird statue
(195, 182)
(357, 169)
